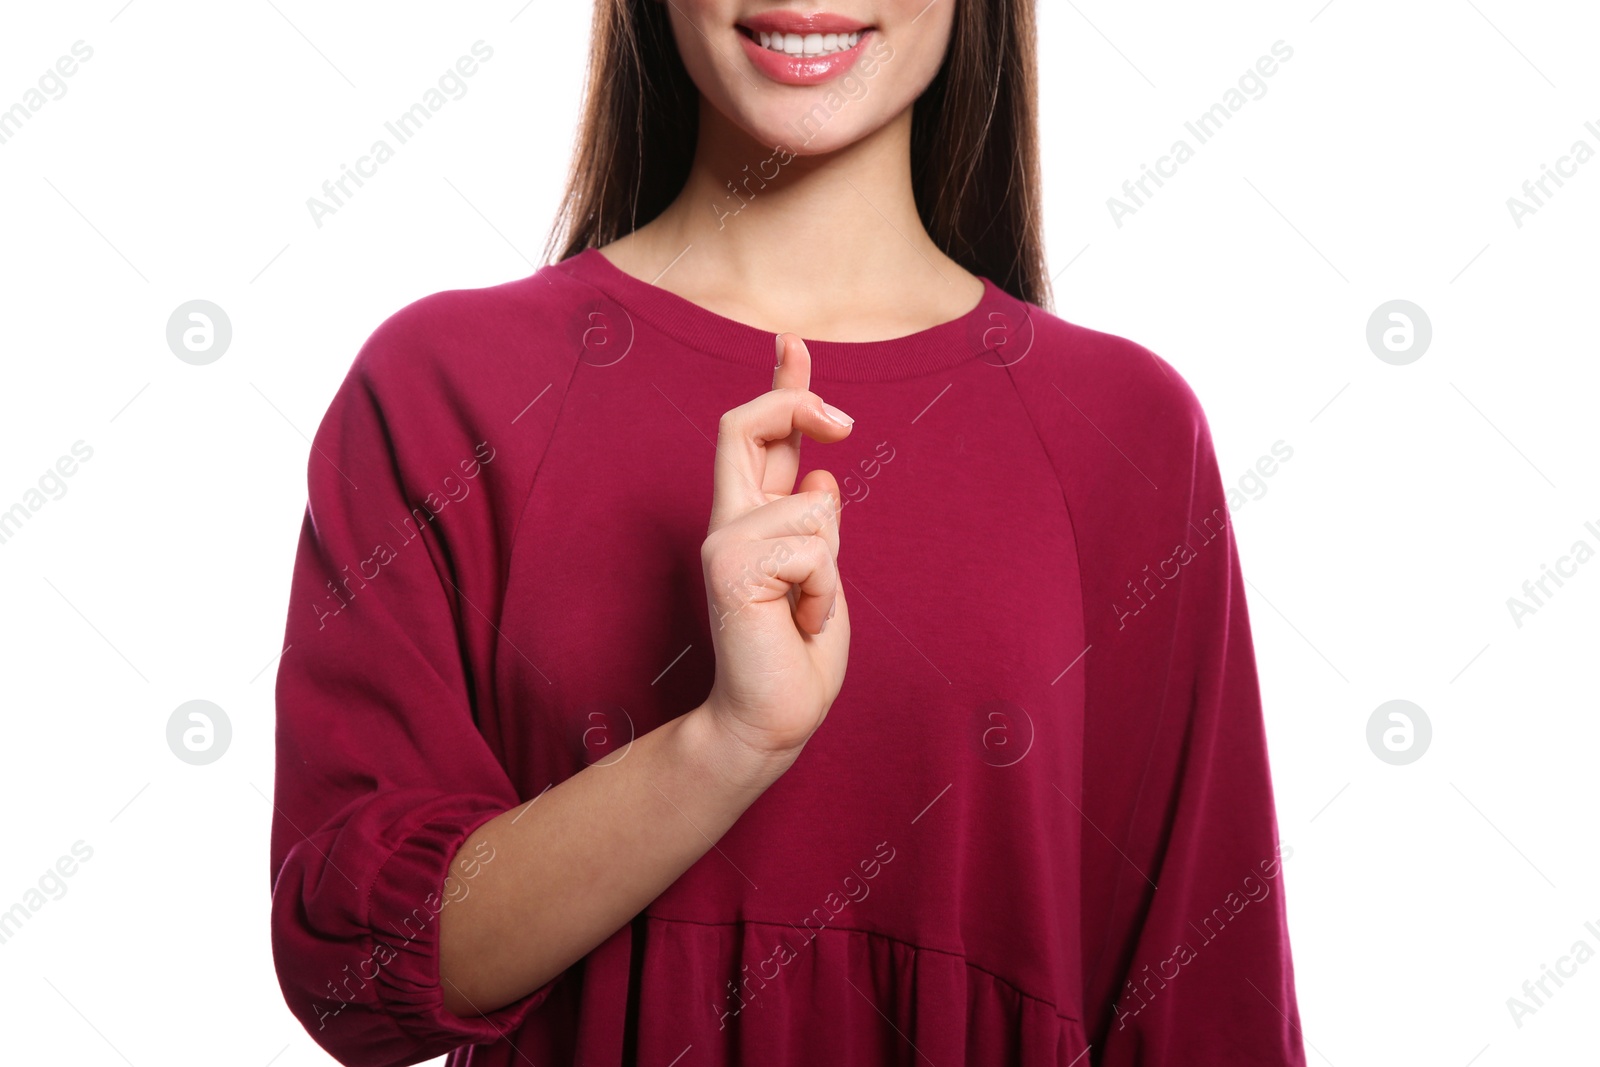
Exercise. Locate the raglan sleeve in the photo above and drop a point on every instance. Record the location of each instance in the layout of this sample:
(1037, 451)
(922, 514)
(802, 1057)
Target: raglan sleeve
(381, 770)
(1202, 969)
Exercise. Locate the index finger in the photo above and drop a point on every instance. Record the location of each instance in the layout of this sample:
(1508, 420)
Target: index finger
(792, 371)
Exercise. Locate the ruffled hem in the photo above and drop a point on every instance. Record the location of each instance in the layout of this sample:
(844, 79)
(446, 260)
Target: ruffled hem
(775, 995)
(403, 905)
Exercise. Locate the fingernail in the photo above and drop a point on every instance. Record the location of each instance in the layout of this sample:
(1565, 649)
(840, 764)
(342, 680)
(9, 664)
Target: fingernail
(778, 340)
(831, 609)
(836, 415)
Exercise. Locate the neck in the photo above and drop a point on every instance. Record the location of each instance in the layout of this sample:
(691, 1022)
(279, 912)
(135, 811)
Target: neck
(753, 219)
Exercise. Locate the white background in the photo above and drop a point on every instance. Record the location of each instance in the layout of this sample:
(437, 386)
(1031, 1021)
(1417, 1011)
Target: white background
(1419, 498)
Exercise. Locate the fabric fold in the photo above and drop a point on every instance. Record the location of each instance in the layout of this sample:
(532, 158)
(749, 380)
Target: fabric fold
(759, 992)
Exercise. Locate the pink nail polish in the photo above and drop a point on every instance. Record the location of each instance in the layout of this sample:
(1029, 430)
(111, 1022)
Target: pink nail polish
(836, 415)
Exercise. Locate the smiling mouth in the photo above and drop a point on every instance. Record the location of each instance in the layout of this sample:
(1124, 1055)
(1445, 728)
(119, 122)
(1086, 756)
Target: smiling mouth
(805, 44)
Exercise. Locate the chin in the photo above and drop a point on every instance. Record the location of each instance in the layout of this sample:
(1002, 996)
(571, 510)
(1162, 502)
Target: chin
(789, 128)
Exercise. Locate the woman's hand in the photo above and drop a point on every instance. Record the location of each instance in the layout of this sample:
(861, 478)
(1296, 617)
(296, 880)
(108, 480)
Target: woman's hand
(778, 617)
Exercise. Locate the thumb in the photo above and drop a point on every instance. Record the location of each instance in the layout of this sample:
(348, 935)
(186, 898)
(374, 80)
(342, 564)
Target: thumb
(818, 480)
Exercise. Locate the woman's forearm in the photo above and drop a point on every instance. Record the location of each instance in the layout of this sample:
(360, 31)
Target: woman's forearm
(575, 865)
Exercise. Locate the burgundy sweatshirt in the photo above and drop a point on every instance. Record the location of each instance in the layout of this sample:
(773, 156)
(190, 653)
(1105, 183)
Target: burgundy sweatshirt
(1037, 827)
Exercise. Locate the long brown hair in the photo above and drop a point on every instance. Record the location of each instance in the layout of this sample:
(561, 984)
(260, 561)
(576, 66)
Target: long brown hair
(974, 140)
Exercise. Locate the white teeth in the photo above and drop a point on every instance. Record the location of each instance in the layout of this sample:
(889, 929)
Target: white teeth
(812, 44)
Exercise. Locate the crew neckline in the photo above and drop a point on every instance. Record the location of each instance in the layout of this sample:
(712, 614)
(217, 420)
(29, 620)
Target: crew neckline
(933, 348)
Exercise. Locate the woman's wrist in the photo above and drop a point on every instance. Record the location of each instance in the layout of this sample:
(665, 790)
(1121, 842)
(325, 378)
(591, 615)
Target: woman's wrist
(722, 752)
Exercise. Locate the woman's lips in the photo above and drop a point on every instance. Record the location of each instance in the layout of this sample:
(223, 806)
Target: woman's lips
(802, 50)
(794, 22)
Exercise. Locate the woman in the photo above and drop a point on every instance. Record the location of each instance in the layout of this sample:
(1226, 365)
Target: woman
(569, 774)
